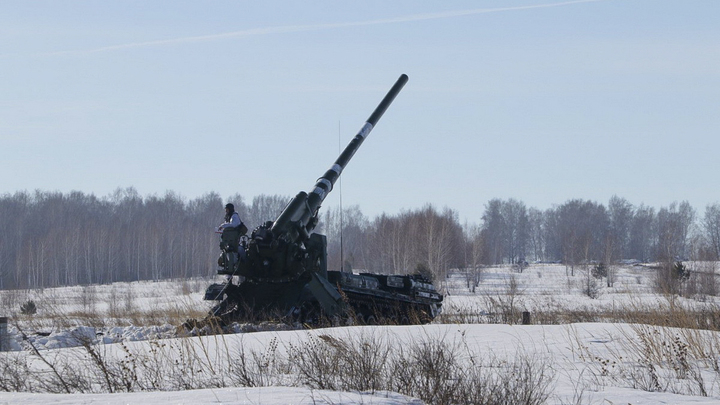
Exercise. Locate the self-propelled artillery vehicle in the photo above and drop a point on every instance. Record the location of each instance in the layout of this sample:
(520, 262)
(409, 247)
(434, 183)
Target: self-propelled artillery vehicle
(280, 269)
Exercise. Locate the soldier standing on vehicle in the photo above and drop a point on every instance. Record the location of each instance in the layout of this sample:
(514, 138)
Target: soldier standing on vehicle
(232, 219)
(232, 229)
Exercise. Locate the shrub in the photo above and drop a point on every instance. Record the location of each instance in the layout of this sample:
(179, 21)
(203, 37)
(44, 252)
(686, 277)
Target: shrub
(681, 272)
(600, 270)
(670, 276)
(28, 308)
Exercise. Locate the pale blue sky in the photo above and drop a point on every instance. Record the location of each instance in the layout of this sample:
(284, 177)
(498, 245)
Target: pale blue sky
(542, 101)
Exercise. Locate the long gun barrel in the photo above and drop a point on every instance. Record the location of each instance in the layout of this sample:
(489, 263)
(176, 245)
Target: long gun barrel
(299, 218)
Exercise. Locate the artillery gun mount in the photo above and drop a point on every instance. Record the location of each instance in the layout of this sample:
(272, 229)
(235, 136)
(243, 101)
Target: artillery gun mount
(280, 270)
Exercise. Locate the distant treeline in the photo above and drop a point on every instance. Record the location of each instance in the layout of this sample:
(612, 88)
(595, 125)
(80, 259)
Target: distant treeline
(576, 232)
(50, 239)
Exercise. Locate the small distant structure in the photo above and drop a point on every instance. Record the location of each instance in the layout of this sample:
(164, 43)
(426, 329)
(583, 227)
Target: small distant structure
(4, 338)
(630, 262)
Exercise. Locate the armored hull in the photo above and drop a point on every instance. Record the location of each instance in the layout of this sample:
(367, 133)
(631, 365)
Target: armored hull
(366, 299)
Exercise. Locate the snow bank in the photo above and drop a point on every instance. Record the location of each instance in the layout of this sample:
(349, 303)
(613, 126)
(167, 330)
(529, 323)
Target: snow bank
(225, 396)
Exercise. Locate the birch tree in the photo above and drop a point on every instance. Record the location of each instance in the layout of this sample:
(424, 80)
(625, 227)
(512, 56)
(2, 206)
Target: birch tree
(711, 224)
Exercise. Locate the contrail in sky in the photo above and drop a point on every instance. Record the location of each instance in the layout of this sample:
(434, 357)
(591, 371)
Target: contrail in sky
(317, 27)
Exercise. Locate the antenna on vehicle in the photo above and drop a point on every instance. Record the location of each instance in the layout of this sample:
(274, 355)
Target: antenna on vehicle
(342, 256)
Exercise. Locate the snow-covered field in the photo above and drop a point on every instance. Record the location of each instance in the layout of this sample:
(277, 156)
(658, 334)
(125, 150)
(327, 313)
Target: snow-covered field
(228, 396)
(552, 294)
(580, 362)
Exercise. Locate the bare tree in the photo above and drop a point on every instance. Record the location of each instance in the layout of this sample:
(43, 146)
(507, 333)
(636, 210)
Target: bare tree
(674, 225)
(552, 234)
(412, 240)
(515, 219)
(473, 259)
(345, 236)
(536, 233)
(711, 224)
(494, 231)
(643, 234)
(440, 238)
(621, 213)
(265, 208)
(582, 226)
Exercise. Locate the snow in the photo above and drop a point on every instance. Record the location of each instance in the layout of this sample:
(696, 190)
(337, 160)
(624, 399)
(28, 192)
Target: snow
(227, 396)
(551, 343)
(573, 354)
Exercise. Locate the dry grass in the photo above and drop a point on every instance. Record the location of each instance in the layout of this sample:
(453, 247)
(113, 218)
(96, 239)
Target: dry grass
(433, 369)
(656, 359)
(665, 311)
(101, 306)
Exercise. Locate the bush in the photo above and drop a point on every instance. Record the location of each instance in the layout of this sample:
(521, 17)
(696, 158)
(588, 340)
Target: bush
(600, 271)
(591, 287)
(670, 276)
(28, 308)
(681, 272)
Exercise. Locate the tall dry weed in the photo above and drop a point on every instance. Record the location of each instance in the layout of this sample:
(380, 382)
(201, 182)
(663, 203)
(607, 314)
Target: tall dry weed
(657, 359)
